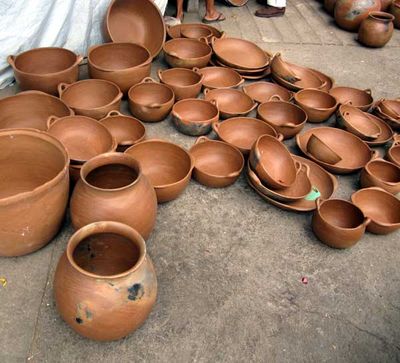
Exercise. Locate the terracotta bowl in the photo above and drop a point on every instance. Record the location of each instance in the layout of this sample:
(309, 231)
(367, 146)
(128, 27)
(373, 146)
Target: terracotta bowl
(220, 77)
(393, 153)
(283, 69)
(33, 190)
(187, 53)
(185, 83)
(176, 30)
(261, 92)
(318, 105)
(138, 21)
(242, 132)
(31, 109)
(388, 110)
(326, 80)
(243, 72)
(315, 146)
(230, 102)
(196, 32)
(361, 99)
(126, 130)
(91, 97)
(42, 69)
(125, 64)
(216, 163)
(381, 207)
(194, 116)
(167, 166)
(338, 223)
(386, 133)
(150, 101)
(286, 118)
(82, 136)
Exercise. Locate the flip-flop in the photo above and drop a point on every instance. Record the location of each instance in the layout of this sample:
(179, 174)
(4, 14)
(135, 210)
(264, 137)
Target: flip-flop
(219, 18)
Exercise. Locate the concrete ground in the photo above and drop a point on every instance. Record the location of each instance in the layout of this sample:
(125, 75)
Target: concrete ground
(229, 265)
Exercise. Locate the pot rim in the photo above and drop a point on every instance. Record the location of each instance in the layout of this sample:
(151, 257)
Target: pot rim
(186, 70)
(349, 125)
(288, 105)
(309, 90)
(229, 70)
(142, 83)
(250, 119)
(197, 100)
(357, 90)
(174, 40)
(208, 97)
(385, 162)
(381, 16)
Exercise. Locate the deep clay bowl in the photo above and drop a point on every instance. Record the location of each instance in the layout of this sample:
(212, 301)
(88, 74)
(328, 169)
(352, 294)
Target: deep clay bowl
(262, 92)
(361, 99)
(186, 83)
(393, 153)
(220, 77)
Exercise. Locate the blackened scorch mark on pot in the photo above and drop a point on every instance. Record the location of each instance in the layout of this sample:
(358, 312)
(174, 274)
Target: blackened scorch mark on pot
(79, 320)
(136, 291)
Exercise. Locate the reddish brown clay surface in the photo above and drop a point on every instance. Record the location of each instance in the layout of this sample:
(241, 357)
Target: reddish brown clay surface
(393, 153)
(261, 92)
(350, 13)
(186, 83)
(326, 80)
(385, 5)
(361, 99)
(395, 10)
(321, 151)
(176, 30)
(386, 133)
(187, 53)
(376, 30)
(220, 77)
(196, 32)
(329, 6)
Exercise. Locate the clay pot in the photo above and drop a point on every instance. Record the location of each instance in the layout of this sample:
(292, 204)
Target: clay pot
(138, 21)
(361, 99)
(376, 30)
(125, 64)
(126, 130)
(386, 133)
(187, 53)
(105, 284)
(83, 137)
(42, 69)
(338, 223)
(282, 69)
(389, 108)
(329, 6)
(31, 109)
(395, 11)
(242, 132)
(261, 92)
(255, 72)
(167, 166)
(327, 81)
(196, 32)
(220, 77)
(382, 174)
(381, 207)
(150, 101)
(230, 102)
(176, 30)
(33, 190)
(286, 118)
(385, 5)
(91, 97)
(185, 83)
(393, 153)
(350, 13)
(216, 163)
(194, 116)
(321, 151)
(318, 105)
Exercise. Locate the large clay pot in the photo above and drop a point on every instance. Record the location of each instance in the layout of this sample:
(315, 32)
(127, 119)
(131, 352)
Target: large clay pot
(385, 5)
(105, 284)
(329, 6)
(376, 30)
(350, 13)
(395, 10)
(112, 187)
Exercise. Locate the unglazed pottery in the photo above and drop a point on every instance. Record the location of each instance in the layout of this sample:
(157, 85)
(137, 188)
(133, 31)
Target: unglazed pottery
(376, 30)
(105, 284)
(196, 32)
(34, 187)
(261, 92)
(282, 69)
(386, 132)
(395, 10)
(112, 187)
(176, 30)
(186, 83)
(385, 5)
(326, 80)
(393, 153)
(42, 69)
(168, 166)
(350, 13)
(361, 99)
(321, 151)
(329, 6)
(220, 77)
(389, 110)
(248, 72)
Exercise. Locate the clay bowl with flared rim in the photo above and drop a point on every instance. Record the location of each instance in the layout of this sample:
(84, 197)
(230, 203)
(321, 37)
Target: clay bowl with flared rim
(381, 207)
(42, 69)
(354, 152)
(150, 101)
(393, 154)
(194, 116)
(82, 136)
(138, 21)
(187, 53)
(391, 108)
(216, 163)
(382, 174)
(186, 83)
(91, 97)
(33, 190)
(31, 109)
(196, 32)
(315, 146)
(261, 92)
(286, 118)
(338, 223)
(361, 99)
(318, 105)
(386, 131)
(326, 80)
(273, 163)
(175, 31)
(220, 77)
(167, 165)
(231, 102)
(242, 132)
(283, 69)
(126, 130)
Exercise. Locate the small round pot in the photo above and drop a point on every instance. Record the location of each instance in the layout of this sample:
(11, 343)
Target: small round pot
(338, 223)
(376, 30)
(261, 92)
(361, 99)
(350, 13)
(150, 101)
(105, 284)
(91, 97)
(185, 83)
(395, 11)
(220, 77)
(393, 153)
(216, 163)
(42, 69)
(125, 64)
(321, 151)
(194, 116)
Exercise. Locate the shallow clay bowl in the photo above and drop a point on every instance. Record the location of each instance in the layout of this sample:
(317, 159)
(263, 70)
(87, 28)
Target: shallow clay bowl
(327, 80)
(361, 99)
(393, 153)
(381, 207)
(286, 118)
(242, 132)
(315, 146)
(185, 83)
(220, 77)
(176, 30)
(216, 163)
(167, 165)
(390, 108)
(386, 132)
(138, 21)
(261, 92)
(283, 69)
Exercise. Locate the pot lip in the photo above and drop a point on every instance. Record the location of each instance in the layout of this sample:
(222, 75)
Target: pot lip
(289, 104)
(186, 70)
(131, 99)
(106, 227)
(188, 40)
(197, 100)
(381, 16)
(385, 162)
(208, 97)
(60, 175)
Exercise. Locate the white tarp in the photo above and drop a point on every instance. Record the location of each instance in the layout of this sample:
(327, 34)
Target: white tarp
(71, 24)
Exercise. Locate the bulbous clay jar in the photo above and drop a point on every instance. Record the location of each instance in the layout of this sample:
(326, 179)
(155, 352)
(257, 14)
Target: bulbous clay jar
(112, 187)
(350, 13)
(395, 11)
(376, 30)
(105, 284)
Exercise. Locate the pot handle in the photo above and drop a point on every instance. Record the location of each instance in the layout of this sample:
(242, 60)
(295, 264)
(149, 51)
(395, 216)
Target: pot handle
(298, 166)
(280, 137)
(79, 59)
(240, 82)
(307, 169)
(223, 35)
(319, 202)
(61, 88)
(213, 40)
(114, 144)
(148, 80)
(367, 221)
(205, 91)
(159, 73)
(203, 40)
(374, 154)
(50, 120)
(253, 107)
(11, 61)
(201, 139)
(214, 102)
(215, 127)
(196, 69)
(275, 98)
(367, 90)
(114, 113)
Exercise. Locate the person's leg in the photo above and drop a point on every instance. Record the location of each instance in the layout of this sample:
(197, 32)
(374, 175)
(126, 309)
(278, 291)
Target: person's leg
(212, 15)
(179, 9)
(273, 9)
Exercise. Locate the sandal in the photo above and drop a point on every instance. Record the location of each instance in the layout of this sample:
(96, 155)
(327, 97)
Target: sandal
(219, 18)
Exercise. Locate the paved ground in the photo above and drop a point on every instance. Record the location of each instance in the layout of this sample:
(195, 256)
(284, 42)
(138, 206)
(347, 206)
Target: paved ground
(229, 265)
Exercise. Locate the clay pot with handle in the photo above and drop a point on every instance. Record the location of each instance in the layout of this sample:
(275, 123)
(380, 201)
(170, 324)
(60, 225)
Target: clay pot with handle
(376, 30)
(350, 13)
